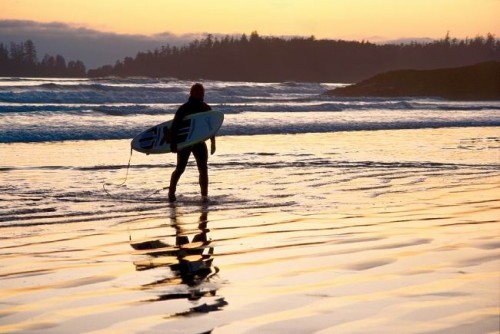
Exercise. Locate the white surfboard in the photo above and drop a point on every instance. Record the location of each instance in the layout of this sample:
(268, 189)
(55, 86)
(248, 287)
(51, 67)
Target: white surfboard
(194, 129)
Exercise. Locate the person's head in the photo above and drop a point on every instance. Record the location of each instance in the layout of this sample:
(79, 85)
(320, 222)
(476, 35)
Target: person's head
(197, 91)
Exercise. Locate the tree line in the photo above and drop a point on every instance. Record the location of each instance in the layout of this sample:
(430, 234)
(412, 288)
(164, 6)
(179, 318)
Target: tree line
(265, 59)
(268, 59)
(20, 59)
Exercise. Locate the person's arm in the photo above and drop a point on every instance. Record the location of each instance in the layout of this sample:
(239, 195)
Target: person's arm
(174, 128)
(212, 140)
(212, 145)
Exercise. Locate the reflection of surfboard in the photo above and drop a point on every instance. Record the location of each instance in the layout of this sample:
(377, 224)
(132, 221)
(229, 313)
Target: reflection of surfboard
(194, 129)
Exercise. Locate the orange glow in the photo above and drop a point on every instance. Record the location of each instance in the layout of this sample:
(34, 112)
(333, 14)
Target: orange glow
(346, 19)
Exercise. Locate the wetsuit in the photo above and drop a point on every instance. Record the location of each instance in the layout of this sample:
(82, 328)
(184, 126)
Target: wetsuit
(200, 151)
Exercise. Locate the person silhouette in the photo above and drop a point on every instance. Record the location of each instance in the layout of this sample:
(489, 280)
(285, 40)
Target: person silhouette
(195, 104)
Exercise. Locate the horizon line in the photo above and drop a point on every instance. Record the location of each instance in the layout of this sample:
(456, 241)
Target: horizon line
(86, 29)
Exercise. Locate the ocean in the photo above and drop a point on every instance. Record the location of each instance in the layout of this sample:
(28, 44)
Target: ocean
(325, 214)
(41, 110)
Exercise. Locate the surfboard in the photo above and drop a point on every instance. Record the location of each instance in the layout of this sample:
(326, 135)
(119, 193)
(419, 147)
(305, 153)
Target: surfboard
(194, 129)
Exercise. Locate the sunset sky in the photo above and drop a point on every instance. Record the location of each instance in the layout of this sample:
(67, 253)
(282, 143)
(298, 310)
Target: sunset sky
(345, 19)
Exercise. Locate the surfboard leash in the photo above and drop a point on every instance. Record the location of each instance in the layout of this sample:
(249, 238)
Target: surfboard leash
(156, 192)
(125, 180)
(126, 175)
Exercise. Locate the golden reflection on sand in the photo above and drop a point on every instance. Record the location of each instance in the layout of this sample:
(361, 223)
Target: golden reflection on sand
(365, 232)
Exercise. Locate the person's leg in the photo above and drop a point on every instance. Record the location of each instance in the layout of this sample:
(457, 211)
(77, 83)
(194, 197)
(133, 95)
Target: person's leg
(182, 160)
(200, 153)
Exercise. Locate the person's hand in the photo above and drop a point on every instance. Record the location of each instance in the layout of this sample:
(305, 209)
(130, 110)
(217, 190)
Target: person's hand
(212, 146)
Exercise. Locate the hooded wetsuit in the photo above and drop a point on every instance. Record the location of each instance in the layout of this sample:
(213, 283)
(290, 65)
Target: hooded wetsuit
(200, 151)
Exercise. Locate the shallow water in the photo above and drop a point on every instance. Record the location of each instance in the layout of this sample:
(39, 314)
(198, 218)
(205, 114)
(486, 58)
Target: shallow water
(348, 232)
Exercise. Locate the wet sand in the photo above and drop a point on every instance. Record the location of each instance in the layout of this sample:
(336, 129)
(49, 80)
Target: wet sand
(355, 232)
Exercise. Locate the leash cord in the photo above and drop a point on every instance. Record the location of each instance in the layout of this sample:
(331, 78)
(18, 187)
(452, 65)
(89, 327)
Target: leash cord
(125, 180)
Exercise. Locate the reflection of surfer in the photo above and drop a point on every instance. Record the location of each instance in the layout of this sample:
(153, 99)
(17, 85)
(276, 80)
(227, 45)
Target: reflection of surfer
(191, 263)
(194, 105)
(194, 258)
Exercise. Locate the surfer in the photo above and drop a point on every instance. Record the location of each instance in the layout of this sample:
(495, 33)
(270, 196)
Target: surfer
(195, 104)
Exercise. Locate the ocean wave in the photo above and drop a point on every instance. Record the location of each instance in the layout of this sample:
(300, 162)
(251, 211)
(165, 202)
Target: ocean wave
(101, 96)
(108, 109)
(92, 132)
(41, 109)
(267, 106)
(467, 108)
(239, 97)
(148, 90)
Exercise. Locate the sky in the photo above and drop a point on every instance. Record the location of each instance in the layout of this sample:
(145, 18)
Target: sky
(175, 21)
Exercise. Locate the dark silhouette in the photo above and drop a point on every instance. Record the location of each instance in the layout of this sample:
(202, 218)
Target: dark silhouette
(272, 59)
(190, 263)
(477, 82)
(263, 59)
(20, 59)
(194, 105)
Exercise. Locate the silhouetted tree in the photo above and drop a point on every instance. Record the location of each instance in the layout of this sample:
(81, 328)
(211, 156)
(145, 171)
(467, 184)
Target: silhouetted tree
(21, 60)
(76, 69)
(30, 52)
(4, 58)
(257, 58)
(60, 65)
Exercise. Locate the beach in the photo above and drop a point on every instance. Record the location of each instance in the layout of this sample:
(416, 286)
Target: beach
(388, 231)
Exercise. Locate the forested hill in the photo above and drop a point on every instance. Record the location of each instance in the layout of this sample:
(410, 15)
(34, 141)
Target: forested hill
(476, 82)
(272, 59)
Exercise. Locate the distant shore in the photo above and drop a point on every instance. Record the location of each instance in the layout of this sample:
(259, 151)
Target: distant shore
(256, 58)
(476, 82)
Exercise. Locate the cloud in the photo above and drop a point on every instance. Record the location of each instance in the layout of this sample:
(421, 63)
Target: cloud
(409, 40)
(95, 48)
